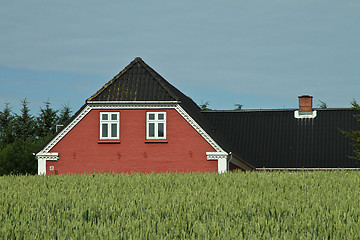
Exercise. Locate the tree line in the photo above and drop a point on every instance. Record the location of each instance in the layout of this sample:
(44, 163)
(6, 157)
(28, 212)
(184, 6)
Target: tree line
(23, 134)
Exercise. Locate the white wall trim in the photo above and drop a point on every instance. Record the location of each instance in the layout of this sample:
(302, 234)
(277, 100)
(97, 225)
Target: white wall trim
(41, 166)
(48, 156)
(131, 102)
(42, 158)
(304, 116)
(222, 158)
(140, 105)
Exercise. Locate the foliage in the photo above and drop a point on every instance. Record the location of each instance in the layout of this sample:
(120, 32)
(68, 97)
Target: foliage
(22, 135)
(17, 157)
(238, 106)
(24, 124)
(204, 106)
(235, 205)
(355, 134)
(322, 104)
(46, 121)
(65, 115)
(6, 126)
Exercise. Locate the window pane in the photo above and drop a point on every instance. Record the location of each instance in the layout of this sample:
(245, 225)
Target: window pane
(104, 128)
(114, 130)
(160, 116)
(160, 130)
(113, 116)
(104, 117)
(151, 116)
(151, 129)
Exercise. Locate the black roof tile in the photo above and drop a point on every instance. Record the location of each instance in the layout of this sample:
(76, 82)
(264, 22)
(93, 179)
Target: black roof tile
(276, 139)
(137, 82)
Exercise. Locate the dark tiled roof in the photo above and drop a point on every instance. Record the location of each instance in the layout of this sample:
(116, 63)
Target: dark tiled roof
(276, 139)
(137, 82)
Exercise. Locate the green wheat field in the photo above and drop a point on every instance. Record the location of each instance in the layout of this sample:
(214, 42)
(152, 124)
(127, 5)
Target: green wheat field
(235, 205)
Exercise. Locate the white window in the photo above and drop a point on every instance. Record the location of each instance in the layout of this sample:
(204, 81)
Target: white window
(156, 125)
(109, 126)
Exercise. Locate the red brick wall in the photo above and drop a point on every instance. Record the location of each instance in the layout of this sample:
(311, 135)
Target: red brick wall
(80, 150)
(305, 104)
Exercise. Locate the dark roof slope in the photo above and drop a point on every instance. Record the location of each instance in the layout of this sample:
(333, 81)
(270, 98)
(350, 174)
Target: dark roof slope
(276, 139)
(137, 82)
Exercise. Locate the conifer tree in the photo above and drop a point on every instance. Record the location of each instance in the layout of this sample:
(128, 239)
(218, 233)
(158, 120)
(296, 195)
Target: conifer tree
(46, 121)
(6, 126)
(65, 114)
(24, 126)
(355, 134)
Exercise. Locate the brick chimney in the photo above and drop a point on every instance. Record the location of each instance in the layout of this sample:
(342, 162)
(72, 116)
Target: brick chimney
(305, 104)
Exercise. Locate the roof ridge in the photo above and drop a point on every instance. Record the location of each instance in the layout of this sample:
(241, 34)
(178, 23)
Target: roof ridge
(156, 77)
(117, 76)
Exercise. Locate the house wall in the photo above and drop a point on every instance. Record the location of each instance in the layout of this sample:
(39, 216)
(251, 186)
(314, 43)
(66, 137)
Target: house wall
(81, 151)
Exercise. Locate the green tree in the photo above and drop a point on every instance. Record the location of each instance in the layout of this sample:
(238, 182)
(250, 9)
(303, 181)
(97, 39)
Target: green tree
(24, 126)
(22, 135)
(65, 114)
(322, 104)
(17, 157)
(6, 126)
(354, 135)
(238, 106)
(204, 106)
(46, 121)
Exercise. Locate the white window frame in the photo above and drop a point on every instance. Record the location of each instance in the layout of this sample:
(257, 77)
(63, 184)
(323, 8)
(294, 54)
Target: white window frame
(109, 123)
(156, 121)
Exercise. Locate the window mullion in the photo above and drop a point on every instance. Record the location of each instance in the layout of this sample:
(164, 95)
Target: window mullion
(156, 129)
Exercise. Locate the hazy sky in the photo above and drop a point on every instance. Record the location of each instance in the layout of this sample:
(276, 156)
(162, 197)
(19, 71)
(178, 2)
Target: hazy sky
(259, 53)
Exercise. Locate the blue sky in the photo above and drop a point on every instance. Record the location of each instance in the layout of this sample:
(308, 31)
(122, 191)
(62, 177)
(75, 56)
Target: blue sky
(262, 54)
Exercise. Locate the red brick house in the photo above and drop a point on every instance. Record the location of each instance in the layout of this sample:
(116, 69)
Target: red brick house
(137, 122)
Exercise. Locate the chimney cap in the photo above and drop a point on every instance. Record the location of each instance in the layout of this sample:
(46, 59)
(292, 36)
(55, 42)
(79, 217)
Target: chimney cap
(305, 96)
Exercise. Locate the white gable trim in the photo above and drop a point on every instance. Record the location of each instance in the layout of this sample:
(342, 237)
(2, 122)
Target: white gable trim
(132, 105)
(44, 154)
(197, 127)
(65, 130)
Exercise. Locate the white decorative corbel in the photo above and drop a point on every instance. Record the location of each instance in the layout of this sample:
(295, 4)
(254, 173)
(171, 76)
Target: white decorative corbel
(222, 158)
(42, 158)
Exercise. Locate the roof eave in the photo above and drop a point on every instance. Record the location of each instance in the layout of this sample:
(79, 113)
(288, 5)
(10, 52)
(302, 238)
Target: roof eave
(132, 102)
